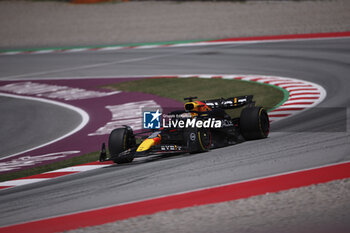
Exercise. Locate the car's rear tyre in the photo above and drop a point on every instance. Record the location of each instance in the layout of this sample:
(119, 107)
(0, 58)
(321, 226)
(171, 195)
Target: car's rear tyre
(120, 140)
(254, 123)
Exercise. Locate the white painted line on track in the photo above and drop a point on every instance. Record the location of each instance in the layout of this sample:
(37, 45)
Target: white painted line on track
(22, 182)
(232, 41)
(81, 168)
(287, 109)
(85, 118)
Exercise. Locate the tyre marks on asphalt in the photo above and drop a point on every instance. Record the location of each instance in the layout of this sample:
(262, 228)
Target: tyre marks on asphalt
(211, 195)
(108, 111)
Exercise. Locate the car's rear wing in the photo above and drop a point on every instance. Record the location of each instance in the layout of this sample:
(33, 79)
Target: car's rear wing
(230, 103)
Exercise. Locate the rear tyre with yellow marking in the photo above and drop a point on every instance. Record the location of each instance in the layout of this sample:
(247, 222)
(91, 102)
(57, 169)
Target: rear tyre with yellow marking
(254, 123)
(199, 140)
(120, 140)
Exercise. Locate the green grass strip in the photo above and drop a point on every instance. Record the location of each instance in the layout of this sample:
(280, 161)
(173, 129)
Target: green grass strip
(266, 95)
(285, 94)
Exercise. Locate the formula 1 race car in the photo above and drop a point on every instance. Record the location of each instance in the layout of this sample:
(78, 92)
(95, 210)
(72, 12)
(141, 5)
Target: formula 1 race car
(201, 126)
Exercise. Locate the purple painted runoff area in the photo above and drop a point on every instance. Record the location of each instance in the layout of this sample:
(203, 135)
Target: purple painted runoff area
(85, 140)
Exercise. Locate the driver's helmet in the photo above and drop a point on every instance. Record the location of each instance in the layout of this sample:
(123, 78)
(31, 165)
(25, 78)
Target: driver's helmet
(196, 106)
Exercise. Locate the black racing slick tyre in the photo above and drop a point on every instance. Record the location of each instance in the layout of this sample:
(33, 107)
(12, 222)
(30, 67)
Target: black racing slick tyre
(120, 140)
(198, 140)
(254, 123)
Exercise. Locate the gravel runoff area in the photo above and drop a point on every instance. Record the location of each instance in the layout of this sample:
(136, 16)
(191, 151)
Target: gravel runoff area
(32, 24)
(315, 206)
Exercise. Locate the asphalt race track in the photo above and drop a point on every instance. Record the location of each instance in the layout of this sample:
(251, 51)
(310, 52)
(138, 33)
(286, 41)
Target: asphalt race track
(34, 124)
(310, 139)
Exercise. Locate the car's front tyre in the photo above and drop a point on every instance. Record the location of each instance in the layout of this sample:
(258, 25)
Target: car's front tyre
(120, 140)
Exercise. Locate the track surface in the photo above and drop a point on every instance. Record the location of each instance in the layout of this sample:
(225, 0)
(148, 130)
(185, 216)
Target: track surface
(27, 124)
(289, 148)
